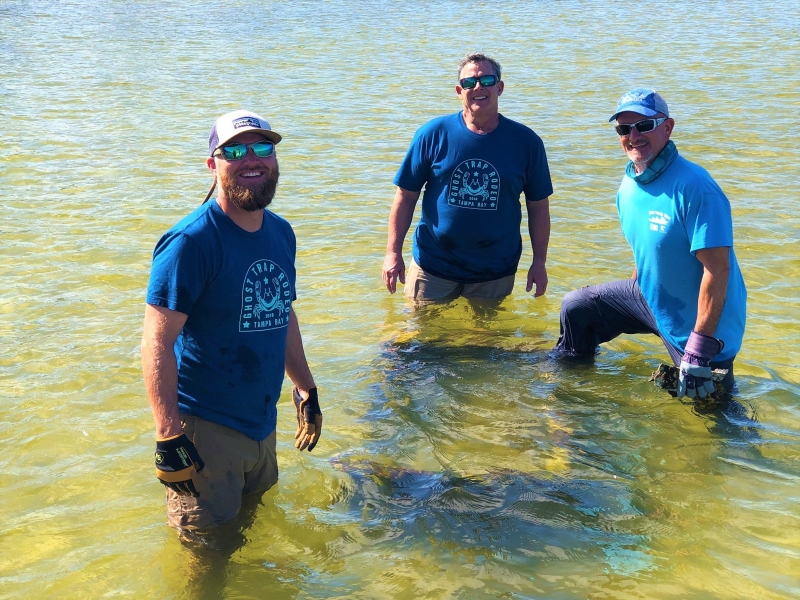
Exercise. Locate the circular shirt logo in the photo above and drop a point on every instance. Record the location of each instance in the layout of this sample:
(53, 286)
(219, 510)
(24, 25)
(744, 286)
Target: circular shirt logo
(159, 458)
(474, 184)
(266, 297)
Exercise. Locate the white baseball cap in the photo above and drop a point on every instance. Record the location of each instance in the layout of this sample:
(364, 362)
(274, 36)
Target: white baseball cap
(233, 123)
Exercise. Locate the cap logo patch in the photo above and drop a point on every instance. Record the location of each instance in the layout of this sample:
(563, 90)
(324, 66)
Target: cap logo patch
(633, 98)
(246, 122)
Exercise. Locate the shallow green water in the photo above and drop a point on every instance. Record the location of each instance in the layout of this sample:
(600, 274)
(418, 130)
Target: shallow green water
(458, 460)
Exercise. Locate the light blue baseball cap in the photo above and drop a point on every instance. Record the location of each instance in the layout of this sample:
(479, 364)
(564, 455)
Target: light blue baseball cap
(643, 101)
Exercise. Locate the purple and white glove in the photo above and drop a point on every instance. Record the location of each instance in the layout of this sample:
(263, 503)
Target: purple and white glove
(695, 370)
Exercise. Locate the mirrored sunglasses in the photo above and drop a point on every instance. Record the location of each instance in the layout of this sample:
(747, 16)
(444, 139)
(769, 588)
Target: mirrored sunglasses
(485, 80)
(239, 151)
(642, 126)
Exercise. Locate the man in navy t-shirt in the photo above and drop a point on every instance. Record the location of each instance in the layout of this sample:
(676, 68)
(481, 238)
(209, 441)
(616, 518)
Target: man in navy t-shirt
(219, 333)
(474, 165)
(686, 286)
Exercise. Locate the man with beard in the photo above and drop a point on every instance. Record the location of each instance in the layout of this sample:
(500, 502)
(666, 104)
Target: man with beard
(219, 333)
(686, 285)
(474, 165)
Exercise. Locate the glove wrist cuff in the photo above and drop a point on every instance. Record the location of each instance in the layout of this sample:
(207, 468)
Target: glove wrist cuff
(312, 392)
(703, 345)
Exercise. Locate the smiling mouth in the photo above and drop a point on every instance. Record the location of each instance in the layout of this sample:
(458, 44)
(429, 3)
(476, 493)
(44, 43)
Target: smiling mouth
(480, 97)
(248, 174)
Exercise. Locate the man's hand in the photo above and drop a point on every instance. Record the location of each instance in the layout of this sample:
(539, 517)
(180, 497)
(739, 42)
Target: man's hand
(309, 419)
(176, 460)
(694, 379)
(537, 274)
(393, 269)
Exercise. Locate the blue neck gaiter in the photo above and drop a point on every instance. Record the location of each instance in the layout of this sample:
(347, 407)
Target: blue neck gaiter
(656, 168)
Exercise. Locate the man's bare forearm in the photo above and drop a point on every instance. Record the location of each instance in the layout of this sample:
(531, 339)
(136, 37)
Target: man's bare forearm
(295, 361)
(713, 289)
(539, 228)
(160, 368)
(400, 217)
(710, 302)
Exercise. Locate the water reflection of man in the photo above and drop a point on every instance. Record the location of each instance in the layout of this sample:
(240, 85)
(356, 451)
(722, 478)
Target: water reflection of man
(686, 285)
(474, 165)
(219, 333)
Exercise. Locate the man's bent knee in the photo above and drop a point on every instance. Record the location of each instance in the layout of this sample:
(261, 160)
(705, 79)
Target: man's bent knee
(579, 322)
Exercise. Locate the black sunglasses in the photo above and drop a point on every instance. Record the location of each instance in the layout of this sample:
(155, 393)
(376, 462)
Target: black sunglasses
(485, 80)
(642, 126)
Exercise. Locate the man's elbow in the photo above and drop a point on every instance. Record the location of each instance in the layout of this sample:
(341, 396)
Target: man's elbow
(539, 209)
(716, 261)
(407, 197)
(721, 268)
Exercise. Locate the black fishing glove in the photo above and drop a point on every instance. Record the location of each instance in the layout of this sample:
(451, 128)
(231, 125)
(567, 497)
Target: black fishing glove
(176, 460)
(309, 419)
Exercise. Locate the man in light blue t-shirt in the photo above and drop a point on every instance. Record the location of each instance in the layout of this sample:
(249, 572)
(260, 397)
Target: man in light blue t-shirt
(686, 285)
(220, 331)
(474, 165)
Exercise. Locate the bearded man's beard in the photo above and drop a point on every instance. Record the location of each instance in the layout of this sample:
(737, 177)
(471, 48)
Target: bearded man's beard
(247, 199)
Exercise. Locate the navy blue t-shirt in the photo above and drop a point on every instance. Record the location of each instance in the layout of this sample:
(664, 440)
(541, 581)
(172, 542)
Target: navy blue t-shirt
(237, 289)
(469, 230)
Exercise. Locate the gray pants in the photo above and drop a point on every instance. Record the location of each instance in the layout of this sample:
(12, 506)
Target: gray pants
(599, 313)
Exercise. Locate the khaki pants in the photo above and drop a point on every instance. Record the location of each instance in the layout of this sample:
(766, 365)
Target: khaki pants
(235, 466)
(424, 288)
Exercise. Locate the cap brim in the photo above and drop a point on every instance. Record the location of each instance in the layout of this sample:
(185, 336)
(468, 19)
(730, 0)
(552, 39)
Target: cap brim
(272, 136)
(634, 108)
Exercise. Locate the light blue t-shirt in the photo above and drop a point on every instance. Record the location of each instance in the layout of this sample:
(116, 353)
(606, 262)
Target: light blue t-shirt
(469, 230)
(237, 289)
(666, 221)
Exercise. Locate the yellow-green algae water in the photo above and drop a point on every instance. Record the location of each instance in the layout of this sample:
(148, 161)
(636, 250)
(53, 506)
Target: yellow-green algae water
(458, 460)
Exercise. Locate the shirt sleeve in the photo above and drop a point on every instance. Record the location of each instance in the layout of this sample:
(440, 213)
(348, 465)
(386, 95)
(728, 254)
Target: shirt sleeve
(708, 221)
(538, 184)
(293, 247)
(179, 273)
(413, 172)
